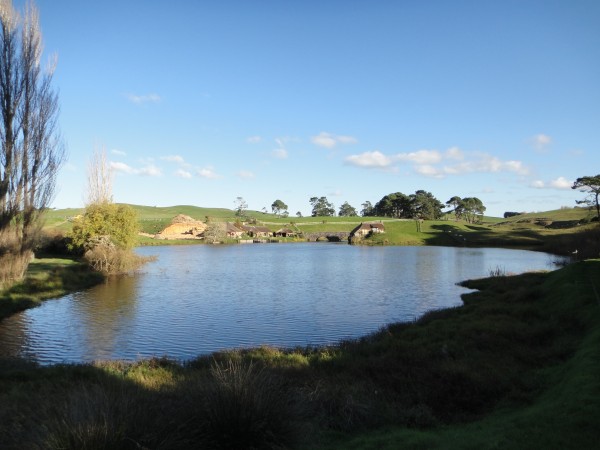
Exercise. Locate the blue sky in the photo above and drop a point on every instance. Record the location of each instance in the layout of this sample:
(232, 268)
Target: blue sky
(199, 102)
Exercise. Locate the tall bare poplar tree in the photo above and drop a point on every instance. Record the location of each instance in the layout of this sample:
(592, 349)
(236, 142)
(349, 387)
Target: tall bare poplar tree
(100, 177)
(32, 150)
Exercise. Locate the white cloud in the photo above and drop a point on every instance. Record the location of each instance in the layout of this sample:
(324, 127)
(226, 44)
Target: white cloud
(429, 171)
(280, 153)
(537, 184)
(347, 140)
(139, 99)
(254, 139)
(122, 167)
(149, 170)
(540, 142)
(183, 174)
(435, 164)
(559, 183)
(114, 151)
(329, 140)
(173, 158)
(420, 157)
(245, 174)
(455, 153)
(370, 159)
(208, 172)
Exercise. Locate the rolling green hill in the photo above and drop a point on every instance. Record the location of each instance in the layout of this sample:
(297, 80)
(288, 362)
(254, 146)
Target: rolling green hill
(560, 231)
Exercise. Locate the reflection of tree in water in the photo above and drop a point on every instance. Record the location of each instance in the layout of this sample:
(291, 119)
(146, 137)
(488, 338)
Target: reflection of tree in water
(106, 314)
(14, 331)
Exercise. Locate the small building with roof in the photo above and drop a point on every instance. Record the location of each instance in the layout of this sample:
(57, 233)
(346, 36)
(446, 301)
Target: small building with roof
(367, 229)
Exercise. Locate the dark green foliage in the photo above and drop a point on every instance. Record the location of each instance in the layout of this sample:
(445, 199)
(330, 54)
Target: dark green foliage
(420, 205)
(368, 209)
(591, 186)
(347, 210)
(279, 208)
(321, 207)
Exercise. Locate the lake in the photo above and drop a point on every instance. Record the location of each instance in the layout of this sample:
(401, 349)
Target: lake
(198, 299)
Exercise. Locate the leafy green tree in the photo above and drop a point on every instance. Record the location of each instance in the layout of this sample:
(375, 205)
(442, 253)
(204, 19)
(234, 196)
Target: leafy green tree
(394, 205)
(471, 209)
(298, 214)
(454, 203)
(118, 222)
(346, 210)
(591, 186)
(425, 205)
(278, 207)
(367, 209)
(321, 207)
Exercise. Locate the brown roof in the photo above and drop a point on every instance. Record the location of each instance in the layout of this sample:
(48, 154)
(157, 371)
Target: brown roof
(231, 228)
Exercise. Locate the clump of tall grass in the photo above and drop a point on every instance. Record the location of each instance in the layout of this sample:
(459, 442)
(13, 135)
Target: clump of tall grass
(246, 406)
(498, 272)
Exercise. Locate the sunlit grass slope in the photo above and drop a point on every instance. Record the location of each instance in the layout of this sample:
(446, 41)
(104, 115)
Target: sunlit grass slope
(562, 231)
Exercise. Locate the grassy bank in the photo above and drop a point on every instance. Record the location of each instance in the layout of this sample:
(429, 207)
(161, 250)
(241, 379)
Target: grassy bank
(47, 278)
(562, 231)
(515, 367)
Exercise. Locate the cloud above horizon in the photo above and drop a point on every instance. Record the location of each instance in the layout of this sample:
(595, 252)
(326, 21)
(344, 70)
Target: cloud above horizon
(245, 174)
(208, 173)
(560, 183)
(436, 164)
(330, 141)
(149, 170)
(540, 142)
(140, 99)
(254, 139)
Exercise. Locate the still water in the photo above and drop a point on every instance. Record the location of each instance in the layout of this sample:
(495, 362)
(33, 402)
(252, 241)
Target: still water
(198, 299)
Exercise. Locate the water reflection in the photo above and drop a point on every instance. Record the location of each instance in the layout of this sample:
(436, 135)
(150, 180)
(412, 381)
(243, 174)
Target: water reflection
(105, 314)
(200, 299)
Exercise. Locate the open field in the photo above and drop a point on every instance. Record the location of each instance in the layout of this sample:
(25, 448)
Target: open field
(515, 367)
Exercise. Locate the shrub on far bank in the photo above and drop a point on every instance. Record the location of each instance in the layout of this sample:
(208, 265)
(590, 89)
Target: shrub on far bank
(105, 219)
(105, 257)
(105, 235)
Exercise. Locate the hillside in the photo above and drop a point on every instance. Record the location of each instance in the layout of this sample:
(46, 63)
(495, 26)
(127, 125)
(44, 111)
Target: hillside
(561, 231)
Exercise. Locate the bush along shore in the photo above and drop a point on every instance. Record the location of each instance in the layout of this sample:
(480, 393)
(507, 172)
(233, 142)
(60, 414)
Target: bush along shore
(515, 367)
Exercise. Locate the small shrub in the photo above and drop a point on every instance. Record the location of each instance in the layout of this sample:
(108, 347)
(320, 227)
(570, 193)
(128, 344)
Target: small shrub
(111, 260)
(246, 407)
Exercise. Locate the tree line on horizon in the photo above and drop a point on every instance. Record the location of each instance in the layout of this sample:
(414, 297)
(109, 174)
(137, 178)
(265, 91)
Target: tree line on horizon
(420, 205)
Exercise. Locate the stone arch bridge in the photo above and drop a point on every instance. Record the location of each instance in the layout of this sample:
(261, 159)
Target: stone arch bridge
(331, 236)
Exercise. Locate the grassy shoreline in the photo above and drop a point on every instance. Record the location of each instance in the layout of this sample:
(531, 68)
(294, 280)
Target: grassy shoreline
(47, 278)
(515, 367)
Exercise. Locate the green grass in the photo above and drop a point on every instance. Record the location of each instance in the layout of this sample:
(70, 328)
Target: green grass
(515, 367)
(562, 231)
(47, 278)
